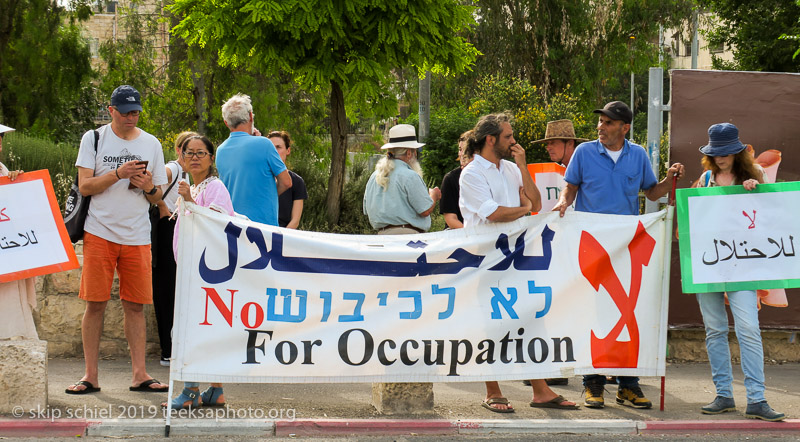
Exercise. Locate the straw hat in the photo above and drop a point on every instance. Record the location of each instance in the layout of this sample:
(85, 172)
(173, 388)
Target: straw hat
(560, 130)
(402, 135)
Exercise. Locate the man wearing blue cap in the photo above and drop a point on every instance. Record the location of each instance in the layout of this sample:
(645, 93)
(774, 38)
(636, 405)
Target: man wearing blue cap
(121, 167)
(605, 176)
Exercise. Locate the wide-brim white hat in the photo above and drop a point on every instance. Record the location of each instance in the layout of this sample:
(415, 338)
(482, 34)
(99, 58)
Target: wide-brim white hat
(4, 129)
(402, 136)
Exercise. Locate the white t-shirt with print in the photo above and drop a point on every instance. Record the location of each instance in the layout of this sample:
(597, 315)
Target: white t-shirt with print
(119, 214)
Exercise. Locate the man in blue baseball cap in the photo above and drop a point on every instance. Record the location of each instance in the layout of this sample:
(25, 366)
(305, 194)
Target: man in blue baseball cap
(121, 167)
(125, 99)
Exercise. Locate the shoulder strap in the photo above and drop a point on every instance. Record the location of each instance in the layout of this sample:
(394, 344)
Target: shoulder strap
(708, 177)
(173, 183)
(96, 140)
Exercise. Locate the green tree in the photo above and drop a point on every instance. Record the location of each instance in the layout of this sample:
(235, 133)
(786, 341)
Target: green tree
(45, 71)
(793, 36)
(345, 47)
(185, 89)
(440, 154)
(752, 29)
(582, 44)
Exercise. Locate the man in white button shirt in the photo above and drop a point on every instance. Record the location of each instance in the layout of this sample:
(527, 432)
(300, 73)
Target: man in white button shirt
(497, 190)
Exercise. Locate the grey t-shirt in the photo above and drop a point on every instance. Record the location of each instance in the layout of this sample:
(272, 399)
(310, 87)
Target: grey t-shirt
(119, 214)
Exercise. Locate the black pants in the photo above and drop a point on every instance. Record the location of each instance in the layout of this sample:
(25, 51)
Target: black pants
(164, 269)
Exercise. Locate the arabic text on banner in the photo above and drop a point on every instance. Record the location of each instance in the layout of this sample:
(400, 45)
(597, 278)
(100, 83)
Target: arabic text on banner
(539, 297)
(33, 239)
(732, 239)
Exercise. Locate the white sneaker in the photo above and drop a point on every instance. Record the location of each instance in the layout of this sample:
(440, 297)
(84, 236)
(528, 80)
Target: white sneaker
(165, 362)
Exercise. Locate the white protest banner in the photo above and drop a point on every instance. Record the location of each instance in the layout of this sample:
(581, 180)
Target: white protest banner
(732, 239)
(539, 297)
(33, 239)
(549, 179)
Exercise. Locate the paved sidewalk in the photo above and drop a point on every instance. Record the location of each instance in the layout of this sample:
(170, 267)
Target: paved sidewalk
(344, 409)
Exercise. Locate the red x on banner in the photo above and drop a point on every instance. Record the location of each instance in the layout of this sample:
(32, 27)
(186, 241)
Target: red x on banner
(596, 267)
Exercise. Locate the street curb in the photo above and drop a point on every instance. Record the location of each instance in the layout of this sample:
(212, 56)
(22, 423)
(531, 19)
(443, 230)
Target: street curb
(352, 427)
(180, 427)
(42, 427)
(379, 427)
(543, 426)
(718, 426)
(387, 427)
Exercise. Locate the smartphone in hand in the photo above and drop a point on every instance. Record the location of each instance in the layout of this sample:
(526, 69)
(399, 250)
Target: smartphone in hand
(139, 163)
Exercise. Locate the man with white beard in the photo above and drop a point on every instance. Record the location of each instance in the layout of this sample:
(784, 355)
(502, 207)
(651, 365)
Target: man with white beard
(396, 200)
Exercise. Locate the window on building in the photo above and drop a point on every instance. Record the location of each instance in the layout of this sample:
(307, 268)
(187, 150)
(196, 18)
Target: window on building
(111, 7)
(716, 49)
(687, 48)
(94, 47)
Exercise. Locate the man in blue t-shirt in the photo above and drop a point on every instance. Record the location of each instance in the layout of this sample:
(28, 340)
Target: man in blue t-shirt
(247, 163)
(606, 175)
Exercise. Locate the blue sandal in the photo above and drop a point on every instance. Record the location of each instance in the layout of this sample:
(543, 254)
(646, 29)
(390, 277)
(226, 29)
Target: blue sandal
(178, 403)
(210, 397)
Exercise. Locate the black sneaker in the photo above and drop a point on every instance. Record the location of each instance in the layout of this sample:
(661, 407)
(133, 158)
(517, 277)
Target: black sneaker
(761, 410)
(720, 405)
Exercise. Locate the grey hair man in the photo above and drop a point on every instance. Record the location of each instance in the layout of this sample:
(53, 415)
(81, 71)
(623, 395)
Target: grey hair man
(605, 176)
(396, 199)
(249, 164)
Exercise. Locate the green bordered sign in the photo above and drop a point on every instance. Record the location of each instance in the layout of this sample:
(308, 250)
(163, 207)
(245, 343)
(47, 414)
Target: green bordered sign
(732, 239)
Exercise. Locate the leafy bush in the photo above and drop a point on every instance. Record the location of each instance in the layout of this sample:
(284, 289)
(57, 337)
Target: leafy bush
(531, 111)
(524, 101)
(311, 160)
(440, 154)
(29, 153)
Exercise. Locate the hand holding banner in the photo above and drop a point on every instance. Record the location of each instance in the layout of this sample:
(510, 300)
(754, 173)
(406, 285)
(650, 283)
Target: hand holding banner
(491, 302)
(734, 239)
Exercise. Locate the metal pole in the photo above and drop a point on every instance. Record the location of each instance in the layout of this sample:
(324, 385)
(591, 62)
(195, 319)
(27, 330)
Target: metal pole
(655, 124)
(694, 39)
(632, 104)
(424, 107)
(631, 41)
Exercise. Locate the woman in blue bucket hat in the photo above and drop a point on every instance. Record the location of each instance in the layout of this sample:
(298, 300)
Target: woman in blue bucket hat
(728, 163)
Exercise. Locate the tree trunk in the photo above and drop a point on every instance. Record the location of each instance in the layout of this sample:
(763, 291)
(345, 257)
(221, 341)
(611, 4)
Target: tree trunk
(338, 153)
(199, 94)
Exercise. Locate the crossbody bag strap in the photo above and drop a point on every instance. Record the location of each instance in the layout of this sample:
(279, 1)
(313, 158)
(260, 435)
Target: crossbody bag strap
(173, 183)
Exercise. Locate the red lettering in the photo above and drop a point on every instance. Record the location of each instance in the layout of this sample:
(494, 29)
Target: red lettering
(596, 266)
(246, 315)
(225, 311)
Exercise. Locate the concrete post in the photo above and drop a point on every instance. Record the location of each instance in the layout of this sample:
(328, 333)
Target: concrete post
(424, 107)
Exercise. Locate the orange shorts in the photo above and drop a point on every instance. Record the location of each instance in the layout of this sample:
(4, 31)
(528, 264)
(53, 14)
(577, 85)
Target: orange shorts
(132, 263)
